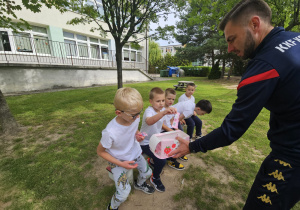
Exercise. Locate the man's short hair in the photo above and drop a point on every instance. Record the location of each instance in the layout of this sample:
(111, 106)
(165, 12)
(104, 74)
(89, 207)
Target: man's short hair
(245, 9)
(128, 99)
(170, 91)
(155, 90)
(204, 105)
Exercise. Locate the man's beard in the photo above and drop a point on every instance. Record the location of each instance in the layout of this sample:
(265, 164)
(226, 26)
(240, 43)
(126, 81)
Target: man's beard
(249, 46)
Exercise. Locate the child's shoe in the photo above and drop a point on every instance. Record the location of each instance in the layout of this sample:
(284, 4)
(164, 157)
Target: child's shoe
(175, 164)
(184, 158)
(150, 162)
(157, 184)
(144, 187)
(109, 207)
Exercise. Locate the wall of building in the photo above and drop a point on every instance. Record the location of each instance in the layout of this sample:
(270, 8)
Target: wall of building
(30, 78)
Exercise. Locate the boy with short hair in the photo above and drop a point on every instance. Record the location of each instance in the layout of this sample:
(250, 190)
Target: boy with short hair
(192, 121)
(167, 126)
(188, 108)
(119, 146)
(152, 124)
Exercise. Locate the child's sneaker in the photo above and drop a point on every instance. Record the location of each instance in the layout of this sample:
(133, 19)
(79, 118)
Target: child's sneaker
(150, 162)
(198, 137)
(184, 158)
(144, 187)
(175, 164)
(109, 207)
(157, 184)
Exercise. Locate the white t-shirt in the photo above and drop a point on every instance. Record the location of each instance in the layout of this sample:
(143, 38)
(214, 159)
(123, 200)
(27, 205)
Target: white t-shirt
(183, 97)
(150, 129)
(186, 108)
(167, 120)
(120, 141)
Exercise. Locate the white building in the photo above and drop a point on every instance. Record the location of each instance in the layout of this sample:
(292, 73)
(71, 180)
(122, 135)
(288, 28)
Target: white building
(52, 41)
(52, 36)
(169, 49)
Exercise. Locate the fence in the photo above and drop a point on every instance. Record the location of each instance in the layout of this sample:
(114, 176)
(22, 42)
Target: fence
(39, 50)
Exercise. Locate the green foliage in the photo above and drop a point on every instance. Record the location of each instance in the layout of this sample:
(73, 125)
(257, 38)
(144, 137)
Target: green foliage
(215, 72)
(196, 71)
(239, 67)
(8, 11)
(167, 60)
(154, 54)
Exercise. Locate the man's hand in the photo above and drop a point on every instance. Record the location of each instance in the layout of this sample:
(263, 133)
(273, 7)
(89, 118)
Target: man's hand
(183, 148)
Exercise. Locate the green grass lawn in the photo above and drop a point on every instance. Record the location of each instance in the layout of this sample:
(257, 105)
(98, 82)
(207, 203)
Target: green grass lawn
(49, 166)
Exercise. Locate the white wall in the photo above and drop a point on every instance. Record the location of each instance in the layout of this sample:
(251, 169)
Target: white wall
(18, 79)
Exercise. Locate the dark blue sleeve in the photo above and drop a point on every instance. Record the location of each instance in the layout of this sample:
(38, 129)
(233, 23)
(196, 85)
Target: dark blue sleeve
(251, 99)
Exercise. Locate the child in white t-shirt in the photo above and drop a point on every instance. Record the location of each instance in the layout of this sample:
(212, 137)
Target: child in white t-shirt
(152, 124)
(192, 121)
(119, 146)
(167, 126)
(188, 109)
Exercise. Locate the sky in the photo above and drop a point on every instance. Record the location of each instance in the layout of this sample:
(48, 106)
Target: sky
(171, 21)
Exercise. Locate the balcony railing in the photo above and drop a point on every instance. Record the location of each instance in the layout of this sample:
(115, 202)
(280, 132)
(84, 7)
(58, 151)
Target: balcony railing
(26, 50)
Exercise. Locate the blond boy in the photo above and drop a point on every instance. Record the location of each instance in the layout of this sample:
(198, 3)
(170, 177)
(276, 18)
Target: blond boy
(119, 146)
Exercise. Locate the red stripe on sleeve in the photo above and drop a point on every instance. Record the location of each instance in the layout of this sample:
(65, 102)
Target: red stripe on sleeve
(260, 77)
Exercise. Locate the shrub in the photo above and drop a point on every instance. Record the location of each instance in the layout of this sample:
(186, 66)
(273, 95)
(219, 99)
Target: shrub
(239, 67)
(215, 72)
(195, 71)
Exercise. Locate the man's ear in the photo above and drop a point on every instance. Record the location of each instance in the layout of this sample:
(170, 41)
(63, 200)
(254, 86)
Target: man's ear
(255, 23)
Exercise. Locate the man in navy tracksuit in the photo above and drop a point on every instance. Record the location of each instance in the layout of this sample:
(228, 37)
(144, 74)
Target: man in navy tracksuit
(272, 80)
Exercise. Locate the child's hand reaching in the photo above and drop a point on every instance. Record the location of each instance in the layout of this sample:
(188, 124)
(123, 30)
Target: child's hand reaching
(170, 110)
(140, 136)
(182, 122)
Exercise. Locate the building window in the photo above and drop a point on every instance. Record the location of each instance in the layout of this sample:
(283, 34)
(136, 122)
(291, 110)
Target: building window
(41, 44)
(30, 41)
(85, 47)
(4, 41)
(22, 42)
(95, 51)
(132, 54)
(71, 49)
(126, 55)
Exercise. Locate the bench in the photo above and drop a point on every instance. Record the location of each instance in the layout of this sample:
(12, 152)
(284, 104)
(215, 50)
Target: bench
(182, 84)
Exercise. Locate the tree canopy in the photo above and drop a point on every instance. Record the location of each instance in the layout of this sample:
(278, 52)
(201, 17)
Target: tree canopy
(8, 8)
(124, 19)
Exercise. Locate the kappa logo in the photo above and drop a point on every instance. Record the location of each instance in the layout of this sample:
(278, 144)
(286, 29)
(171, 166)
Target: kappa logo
(283, 163)
(264, 198)
(271, 187)
(277, 175)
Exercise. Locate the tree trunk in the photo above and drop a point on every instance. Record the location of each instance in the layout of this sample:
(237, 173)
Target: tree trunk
(119, 64)
(7, 121)
(231, 68)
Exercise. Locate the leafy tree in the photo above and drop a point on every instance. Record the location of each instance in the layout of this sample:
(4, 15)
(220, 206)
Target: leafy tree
(154, 55)
(198, 27)
(124, 19)
(9, 7)
(215, 72)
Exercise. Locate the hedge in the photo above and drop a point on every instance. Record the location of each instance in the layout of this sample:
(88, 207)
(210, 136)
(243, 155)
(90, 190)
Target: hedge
(196, 71)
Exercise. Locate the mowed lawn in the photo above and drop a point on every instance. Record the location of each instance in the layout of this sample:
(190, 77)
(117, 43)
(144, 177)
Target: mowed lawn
(50, 164)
